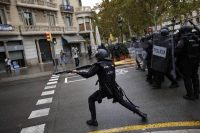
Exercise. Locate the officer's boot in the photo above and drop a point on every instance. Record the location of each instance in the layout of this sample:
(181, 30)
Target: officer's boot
(92, 122)
(141, 114)
(196, 88)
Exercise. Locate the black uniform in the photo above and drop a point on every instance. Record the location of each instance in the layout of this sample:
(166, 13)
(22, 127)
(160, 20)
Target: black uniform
(162, 58)
(107, 87)
(188, 52)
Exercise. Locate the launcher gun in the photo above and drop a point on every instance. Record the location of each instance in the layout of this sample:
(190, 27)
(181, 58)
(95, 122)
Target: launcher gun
(78, 68)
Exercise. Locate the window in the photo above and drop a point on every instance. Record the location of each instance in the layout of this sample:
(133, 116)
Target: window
(65, 2)
(80, 3)
(2, 17)
(68, 21)
(28, 18)
(51, 19)
(87, 23)
(49, 1)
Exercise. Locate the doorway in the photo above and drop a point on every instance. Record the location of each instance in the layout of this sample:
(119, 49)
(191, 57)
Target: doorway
(45, 50)
(2, 61)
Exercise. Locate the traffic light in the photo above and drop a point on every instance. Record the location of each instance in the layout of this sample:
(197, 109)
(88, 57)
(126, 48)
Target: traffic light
(48, 36)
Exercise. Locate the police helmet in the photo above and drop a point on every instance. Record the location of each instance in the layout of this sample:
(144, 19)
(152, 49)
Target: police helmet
(164, 31)
(101, 54)
(185, 29)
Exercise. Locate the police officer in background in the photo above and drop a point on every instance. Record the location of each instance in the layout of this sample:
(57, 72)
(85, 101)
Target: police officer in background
(188, 52)
(107, 86)
(162, 62)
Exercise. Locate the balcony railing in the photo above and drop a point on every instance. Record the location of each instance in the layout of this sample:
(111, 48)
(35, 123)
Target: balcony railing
(37, 4)
(5, 1)
(66, 8)
(70, 30)
(13, 31)
(32, 29)
(84, 9)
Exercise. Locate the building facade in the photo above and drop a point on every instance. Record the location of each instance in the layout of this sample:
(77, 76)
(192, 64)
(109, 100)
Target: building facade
(23, 24)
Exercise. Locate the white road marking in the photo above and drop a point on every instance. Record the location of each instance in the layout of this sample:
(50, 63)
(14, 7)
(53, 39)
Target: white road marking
(128, 68)
(71, 74)
(75, 80)
(51, 83)
(45, 93)
(50, 87)
(65, 80)
(53, 79)
(39, 113)
(120, 71)
(34, 129)
(55, 75)
(44, 101)
(74, 76)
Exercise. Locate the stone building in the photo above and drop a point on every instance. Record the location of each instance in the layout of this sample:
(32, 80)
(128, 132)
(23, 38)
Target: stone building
(23, 24)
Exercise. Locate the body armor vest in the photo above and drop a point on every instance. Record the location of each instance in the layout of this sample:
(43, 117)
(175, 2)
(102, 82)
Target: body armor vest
(192, 47)
(107, 76)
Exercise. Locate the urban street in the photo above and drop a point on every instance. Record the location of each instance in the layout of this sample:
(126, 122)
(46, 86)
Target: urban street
(64, 108)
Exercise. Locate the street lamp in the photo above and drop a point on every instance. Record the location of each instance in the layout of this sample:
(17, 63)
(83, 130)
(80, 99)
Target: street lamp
(120, 24)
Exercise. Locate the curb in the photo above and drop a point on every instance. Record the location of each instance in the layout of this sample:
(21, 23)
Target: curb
(28, 76)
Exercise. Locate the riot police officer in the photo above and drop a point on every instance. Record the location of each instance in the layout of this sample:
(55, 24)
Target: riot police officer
(188, 52)
(162, 58)
(107, 86)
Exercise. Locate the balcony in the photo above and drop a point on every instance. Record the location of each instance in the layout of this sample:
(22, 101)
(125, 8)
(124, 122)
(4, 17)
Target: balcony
(84, 11)
(38, 4)
(70, 30)
(7, 2)
(66, 8)
(36, 30)
(12, 30)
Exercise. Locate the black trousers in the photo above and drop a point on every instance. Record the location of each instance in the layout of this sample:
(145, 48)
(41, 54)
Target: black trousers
(99, 95)
(76, 61)
(191, 80)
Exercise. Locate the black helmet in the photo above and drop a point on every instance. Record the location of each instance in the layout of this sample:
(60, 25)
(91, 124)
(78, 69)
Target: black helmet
(101, 54)
(164, 31)
(185, 29)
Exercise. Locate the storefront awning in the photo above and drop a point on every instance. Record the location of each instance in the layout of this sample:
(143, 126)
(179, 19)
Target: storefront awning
(74, 39)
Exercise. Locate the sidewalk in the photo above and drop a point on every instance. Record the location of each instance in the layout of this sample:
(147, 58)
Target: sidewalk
(48, 69)
(41, 70)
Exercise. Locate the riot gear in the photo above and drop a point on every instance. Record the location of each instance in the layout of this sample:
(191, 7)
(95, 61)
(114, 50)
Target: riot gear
(188, 54)
(101, 54)
(185, 29)
(164, 31)
(108, 87)
(162, 58)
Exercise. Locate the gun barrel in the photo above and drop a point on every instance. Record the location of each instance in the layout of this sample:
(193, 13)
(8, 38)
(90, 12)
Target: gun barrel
(61, 72)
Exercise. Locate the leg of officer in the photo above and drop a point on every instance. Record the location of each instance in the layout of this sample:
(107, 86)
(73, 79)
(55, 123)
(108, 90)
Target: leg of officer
(188, 86)
(195, 80)
(174, 83)
(96, 96)
(130, 107)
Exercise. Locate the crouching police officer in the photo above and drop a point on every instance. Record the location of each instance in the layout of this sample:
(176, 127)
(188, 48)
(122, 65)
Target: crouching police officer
(188, 52)
(107, 86)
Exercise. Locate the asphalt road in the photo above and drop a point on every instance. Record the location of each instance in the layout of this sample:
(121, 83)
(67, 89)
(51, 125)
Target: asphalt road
(17, 100)
(68, 111)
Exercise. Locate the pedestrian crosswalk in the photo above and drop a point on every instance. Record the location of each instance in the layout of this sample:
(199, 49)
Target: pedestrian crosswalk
(46, 98)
